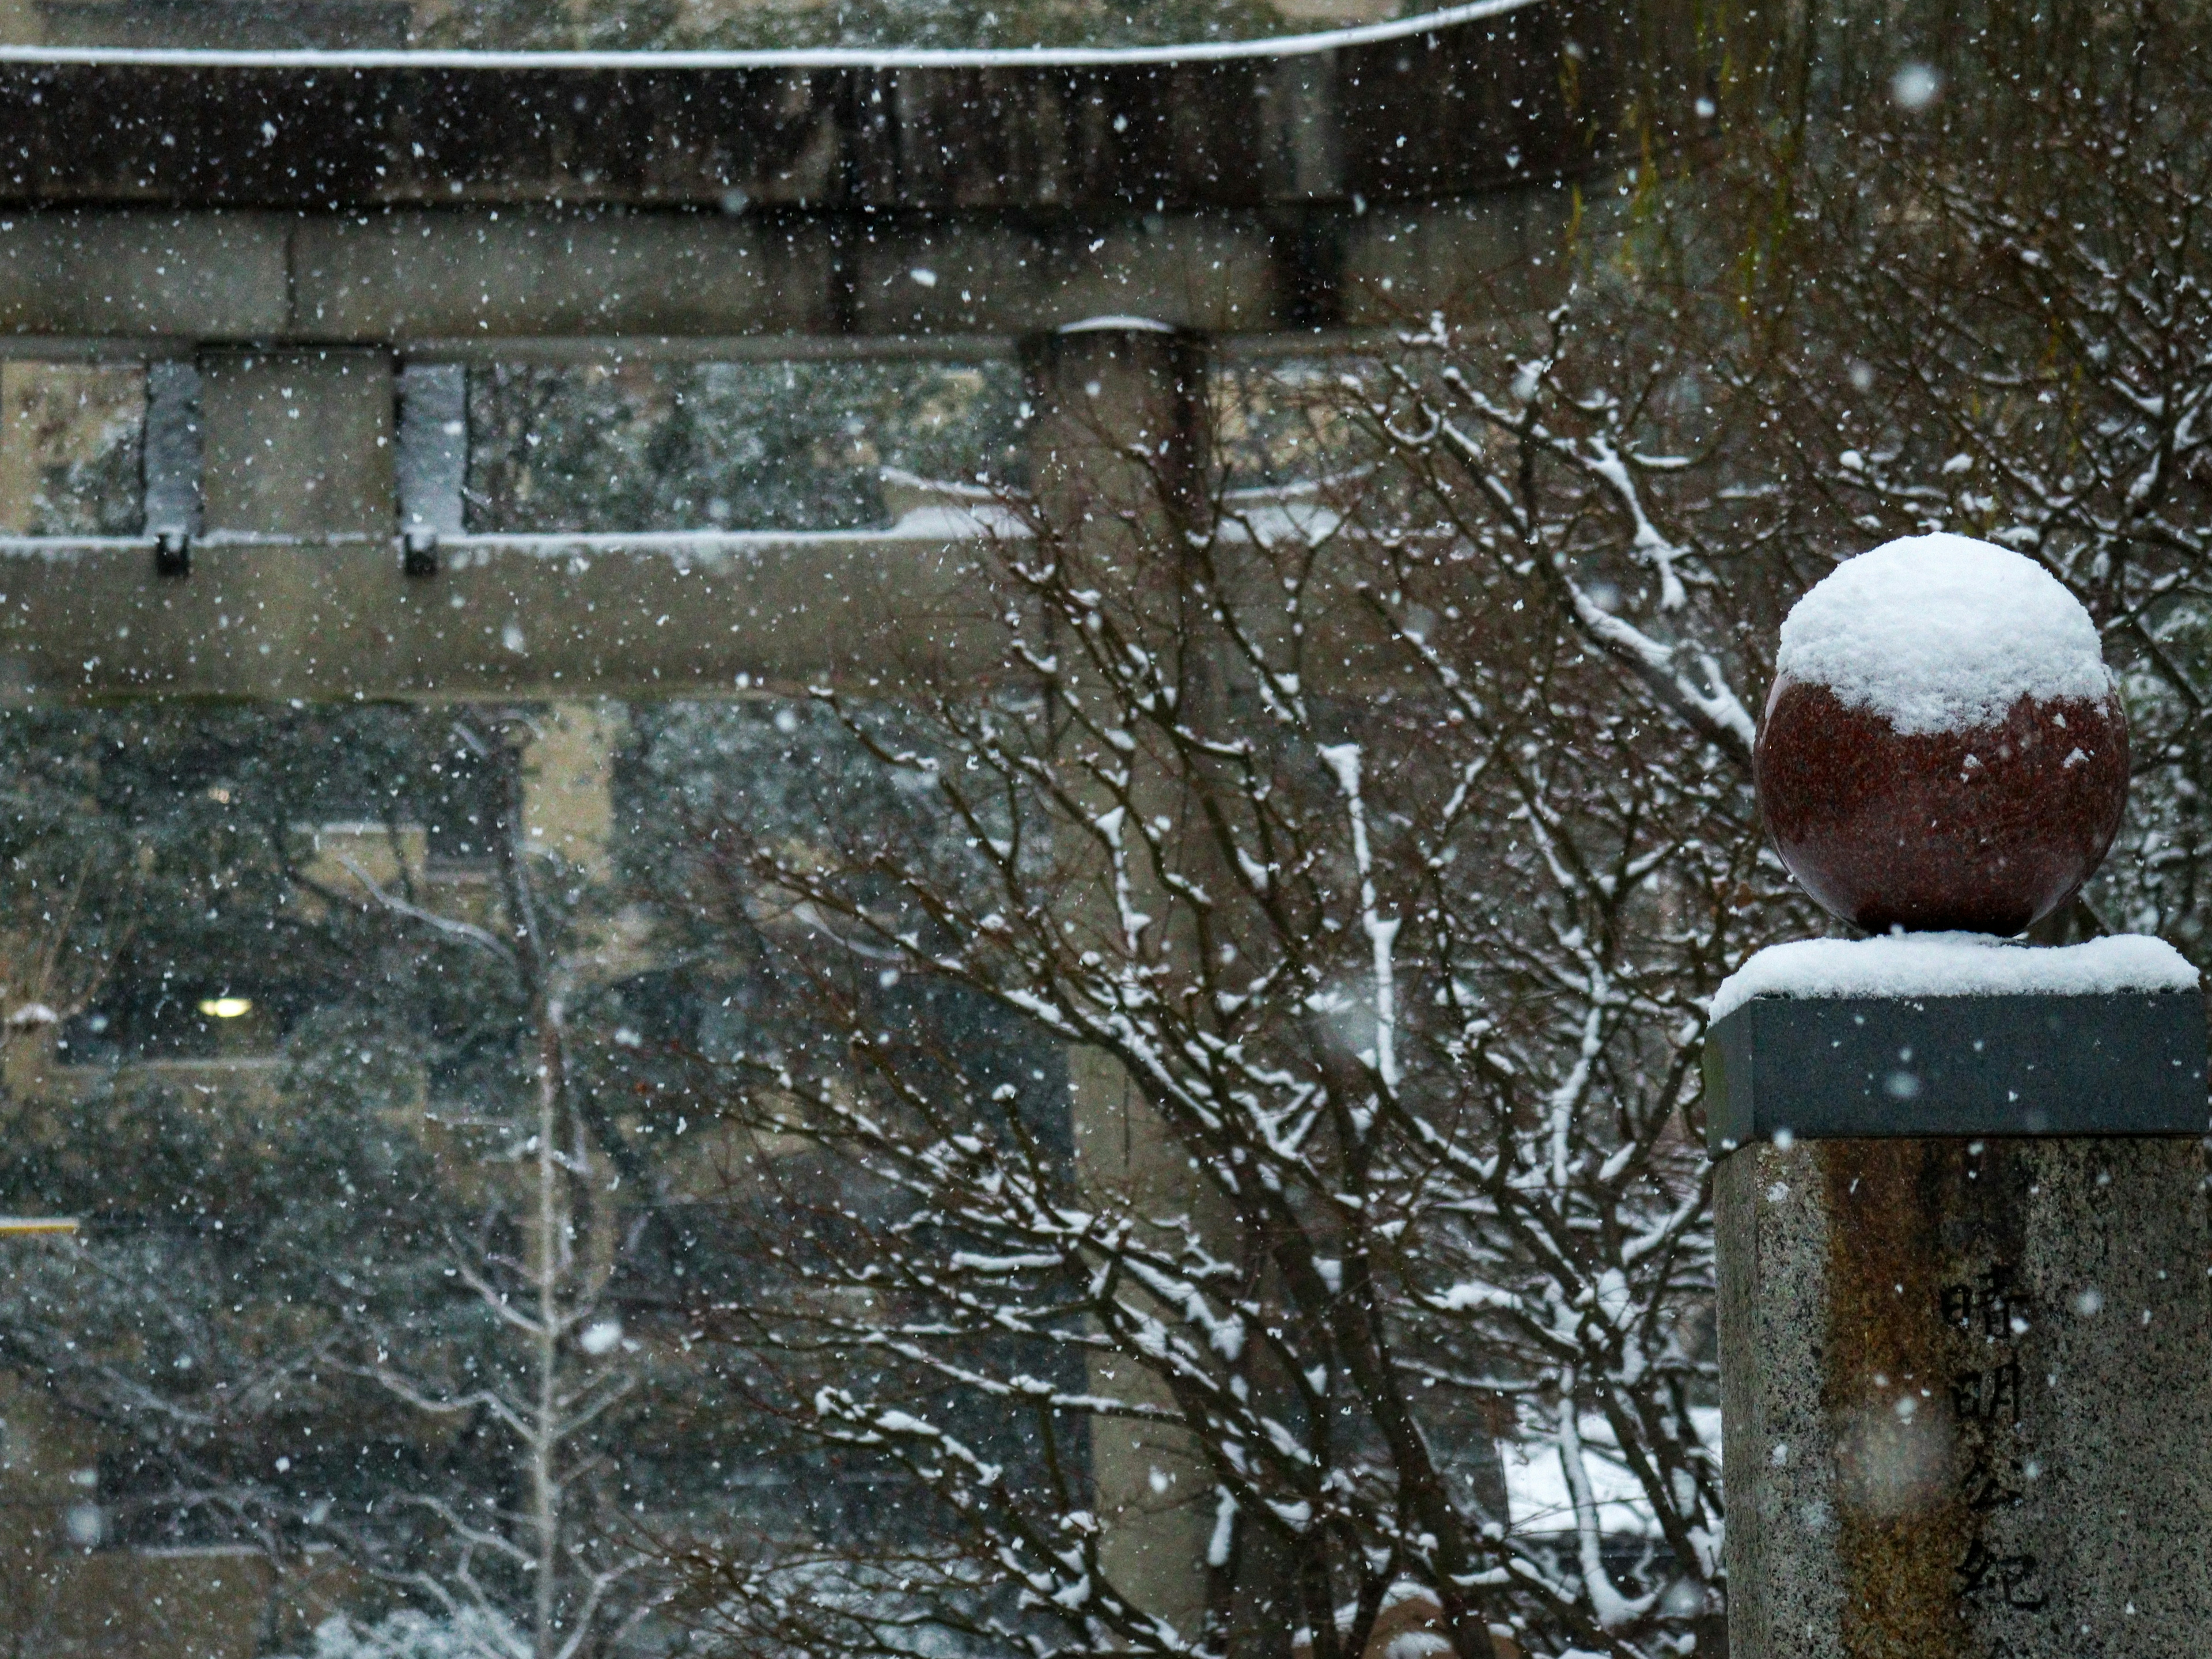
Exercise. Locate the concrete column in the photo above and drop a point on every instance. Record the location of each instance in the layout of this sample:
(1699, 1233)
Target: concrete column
(50, 1509)
(1120, 448)
(1154, 1495)
(298, 442)
(1966, 1389)
(1098, 394)
(1101, 393)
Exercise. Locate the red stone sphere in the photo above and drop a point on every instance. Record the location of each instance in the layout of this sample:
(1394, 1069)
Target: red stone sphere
(1987, 830)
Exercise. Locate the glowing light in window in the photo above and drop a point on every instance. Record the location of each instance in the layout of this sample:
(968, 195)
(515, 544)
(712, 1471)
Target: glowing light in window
(226, 1007)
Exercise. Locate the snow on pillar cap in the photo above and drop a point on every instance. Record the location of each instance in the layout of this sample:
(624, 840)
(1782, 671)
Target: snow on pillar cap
(1942, 633)
(1920, 965)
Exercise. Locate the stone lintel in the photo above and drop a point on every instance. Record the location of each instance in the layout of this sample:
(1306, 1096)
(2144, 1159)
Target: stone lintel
(341, 618)
(2118, 1063)
(173, 278)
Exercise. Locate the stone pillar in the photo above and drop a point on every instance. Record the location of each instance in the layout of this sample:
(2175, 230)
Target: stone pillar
(1099, 393)
(1964, 1246)
(1966, 1390)
(298, 443)
(50, 1509)
(1153, 1493)
(1965, 1301)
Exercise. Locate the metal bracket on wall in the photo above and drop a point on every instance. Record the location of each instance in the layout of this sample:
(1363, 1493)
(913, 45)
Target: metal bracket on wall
(172, 462)
(432, 460)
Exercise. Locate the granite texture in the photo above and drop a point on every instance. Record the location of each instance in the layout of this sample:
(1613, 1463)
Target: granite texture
(1986, 831)
(1967, 1388)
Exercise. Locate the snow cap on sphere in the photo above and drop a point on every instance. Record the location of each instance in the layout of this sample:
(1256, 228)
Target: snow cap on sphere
(1942, 633)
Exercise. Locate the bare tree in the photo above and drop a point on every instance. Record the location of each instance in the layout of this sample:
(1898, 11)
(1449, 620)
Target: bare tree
(1390, 847)
(536, 1565)
(1386, 849)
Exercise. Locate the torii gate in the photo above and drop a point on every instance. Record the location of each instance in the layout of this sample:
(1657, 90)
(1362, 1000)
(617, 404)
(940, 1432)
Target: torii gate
(308, 249)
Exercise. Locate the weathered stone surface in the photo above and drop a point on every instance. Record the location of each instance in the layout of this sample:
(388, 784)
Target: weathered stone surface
(1478, 105)
(484, 283)
(337, 618)
(1967, 1401)
(1988, 830)
(298, 442)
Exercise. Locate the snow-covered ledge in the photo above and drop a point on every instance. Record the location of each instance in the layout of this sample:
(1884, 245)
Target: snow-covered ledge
(1953, 965)
(1955, 1034)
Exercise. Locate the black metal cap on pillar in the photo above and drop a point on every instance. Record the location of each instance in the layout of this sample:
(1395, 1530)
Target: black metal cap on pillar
(1826, 1068)
(1964, 1243)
